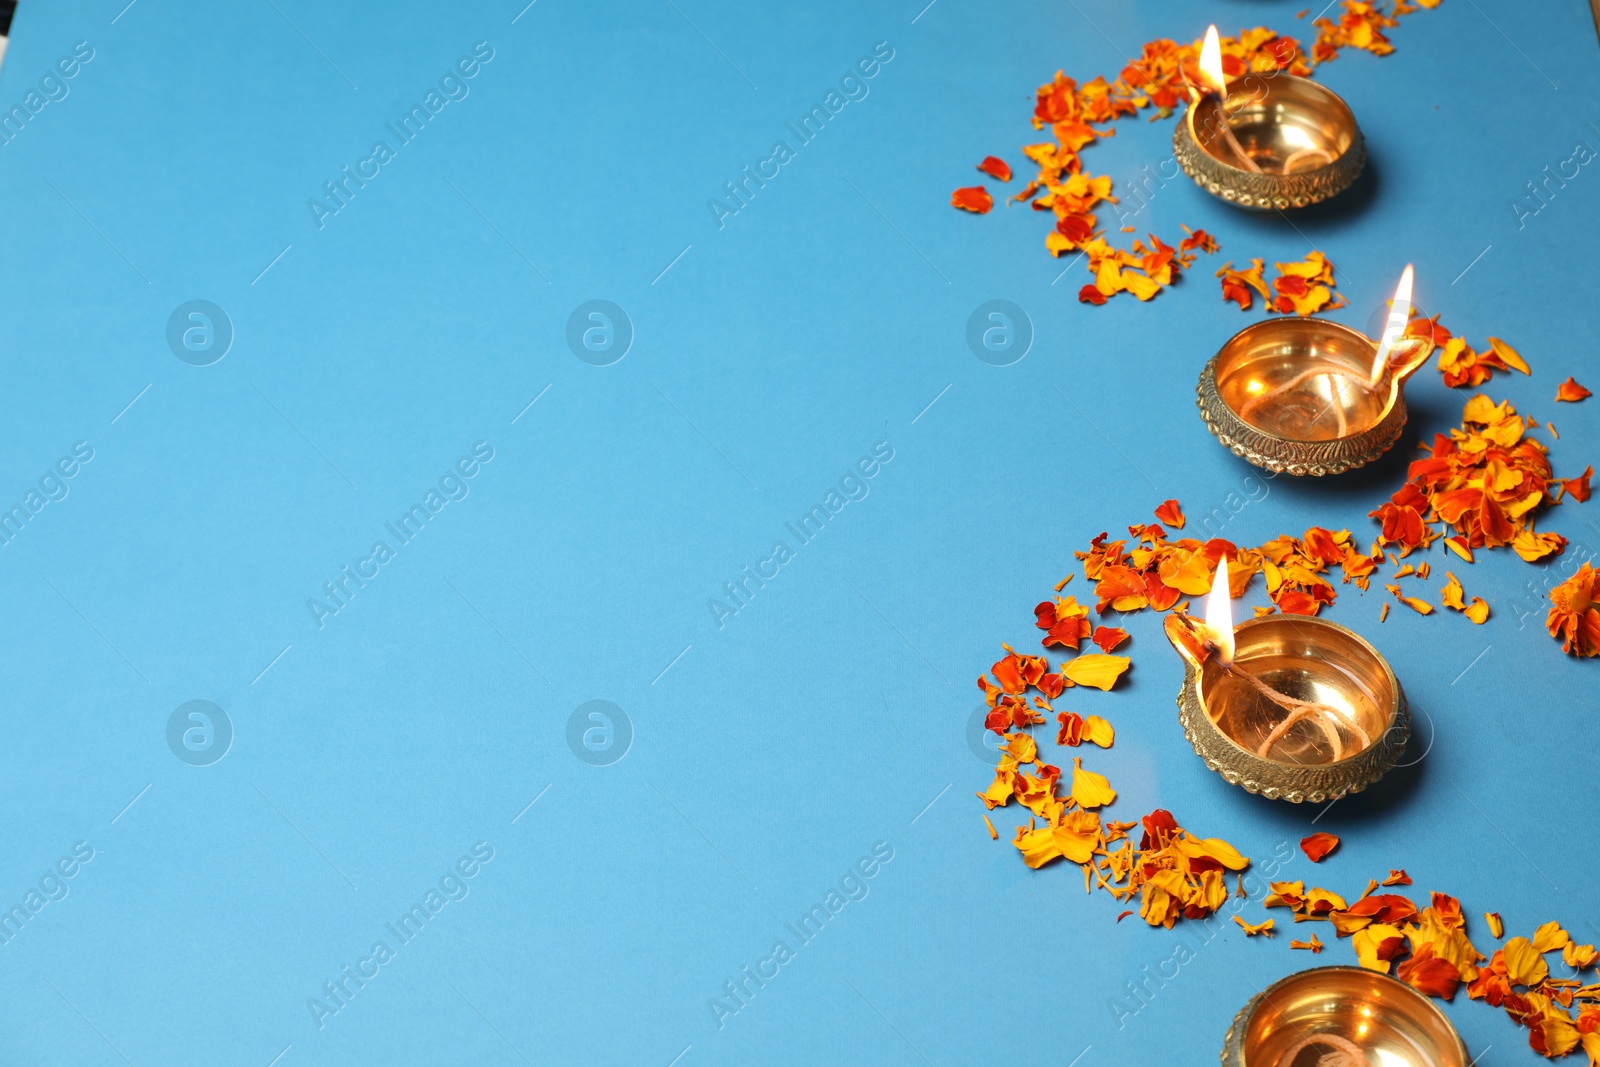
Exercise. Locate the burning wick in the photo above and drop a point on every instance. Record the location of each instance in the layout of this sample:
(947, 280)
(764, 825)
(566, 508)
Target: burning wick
(1217, 632)
(1393, 334)
(1211, 72)
(1395, 328)
(1219, 614)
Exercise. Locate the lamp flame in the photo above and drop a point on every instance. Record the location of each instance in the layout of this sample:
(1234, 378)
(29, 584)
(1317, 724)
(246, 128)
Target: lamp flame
(1211, 62)
(1395, 328)
(1219, 614)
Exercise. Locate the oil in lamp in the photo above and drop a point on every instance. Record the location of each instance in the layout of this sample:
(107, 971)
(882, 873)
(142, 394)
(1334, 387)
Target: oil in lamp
(1269, 140)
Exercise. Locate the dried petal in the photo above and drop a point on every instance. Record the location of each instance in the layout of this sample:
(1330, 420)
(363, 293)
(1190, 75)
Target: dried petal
(1253, 929)
(973, 198)
(1524, 965)
(1095, 670)
(1550, 937)
(1098, 732)
(1318, 845)
(1090, 790)
(1109, 637)
(996, 168)
(1572, 392)
(1171, 513)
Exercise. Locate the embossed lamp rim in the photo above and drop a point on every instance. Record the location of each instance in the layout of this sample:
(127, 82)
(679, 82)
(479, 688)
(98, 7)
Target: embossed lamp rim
(1266, 191)
(1274, 451)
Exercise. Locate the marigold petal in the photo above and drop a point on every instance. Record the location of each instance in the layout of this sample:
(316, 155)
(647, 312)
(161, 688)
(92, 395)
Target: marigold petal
(1318, 845)
(996, 168)
(1090, 790)
(973, 198)
(1572, 392)
(1096, 670)
(1524, 965)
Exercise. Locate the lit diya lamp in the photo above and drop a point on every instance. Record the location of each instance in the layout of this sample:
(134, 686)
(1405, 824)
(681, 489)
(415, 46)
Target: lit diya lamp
(1342, 1017)
(1310, 396)
(1267, 140)
(1289, 706)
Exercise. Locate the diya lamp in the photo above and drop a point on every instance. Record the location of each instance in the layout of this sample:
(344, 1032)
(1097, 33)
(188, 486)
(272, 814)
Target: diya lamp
(1292, 707)
(1342, 1017)
(1310, 396)
(1268, 140)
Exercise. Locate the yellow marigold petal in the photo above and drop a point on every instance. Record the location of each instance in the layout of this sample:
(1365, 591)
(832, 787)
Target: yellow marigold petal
(1509, 354)
(1450, 595)
(1095, 669)
(1524, 965)
(1579, 957)
(1496, 926)
(1252, 929)
(1089, 789)
(1370, 943)
(1212, 848)
(1022, 748)
(1550, 937)
(1097, 731)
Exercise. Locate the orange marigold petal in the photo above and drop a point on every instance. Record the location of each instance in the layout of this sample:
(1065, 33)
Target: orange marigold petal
(973, 198)
(1572, 392)
(996, 168)
(1318, 845)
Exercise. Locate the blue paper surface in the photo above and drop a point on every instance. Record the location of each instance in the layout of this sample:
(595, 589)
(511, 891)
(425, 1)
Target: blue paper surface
(601, 474)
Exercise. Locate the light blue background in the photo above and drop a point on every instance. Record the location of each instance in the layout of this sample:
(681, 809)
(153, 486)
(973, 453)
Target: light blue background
(774, 352)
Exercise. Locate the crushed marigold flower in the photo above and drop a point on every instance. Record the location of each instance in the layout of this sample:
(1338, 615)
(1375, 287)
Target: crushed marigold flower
(1397, 876)
(1574, 619)
(1239, 286)
(1318, 845)
(1485, 483)
(1305, 287)
(1461, 364)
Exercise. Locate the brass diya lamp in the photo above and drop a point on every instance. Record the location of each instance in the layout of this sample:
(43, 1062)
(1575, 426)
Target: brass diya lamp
(1269, 140)
(1292, 707)
(1342, 1017)
(1308, 396)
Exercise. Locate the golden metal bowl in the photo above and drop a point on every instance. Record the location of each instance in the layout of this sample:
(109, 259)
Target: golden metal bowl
(1300, 133)
(1292, 395)
(1234, 729)
(1326, 1010)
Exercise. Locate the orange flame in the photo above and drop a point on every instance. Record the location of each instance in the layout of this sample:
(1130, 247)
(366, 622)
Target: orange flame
(1219, 614)
(1211, 62)
(1395, 327)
